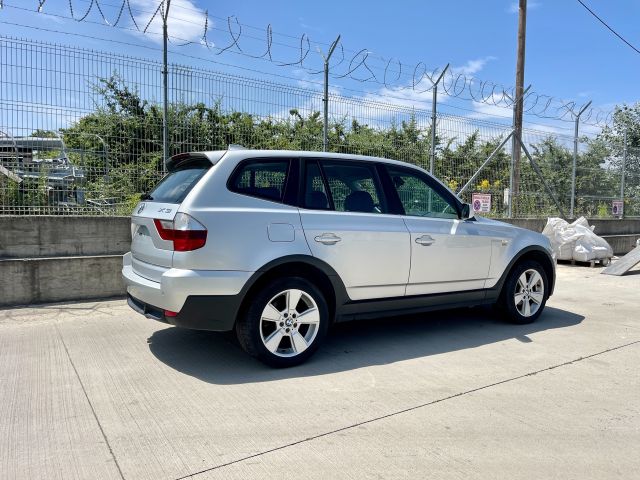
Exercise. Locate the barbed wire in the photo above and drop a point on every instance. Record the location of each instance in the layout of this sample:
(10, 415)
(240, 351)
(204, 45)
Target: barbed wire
(362, 65)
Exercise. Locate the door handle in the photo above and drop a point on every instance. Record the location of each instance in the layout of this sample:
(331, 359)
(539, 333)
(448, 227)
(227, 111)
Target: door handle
(425, 240)
(328, 238)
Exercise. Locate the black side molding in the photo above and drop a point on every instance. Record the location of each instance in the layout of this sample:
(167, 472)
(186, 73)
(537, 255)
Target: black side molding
(369, 309)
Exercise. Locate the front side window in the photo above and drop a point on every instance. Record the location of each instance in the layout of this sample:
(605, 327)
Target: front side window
(354, 187)
(261, 178)
(418, 198)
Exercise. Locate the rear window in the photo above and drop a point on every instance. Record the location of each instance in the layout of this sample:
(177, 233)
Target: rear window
(354, 187)
(175, 186)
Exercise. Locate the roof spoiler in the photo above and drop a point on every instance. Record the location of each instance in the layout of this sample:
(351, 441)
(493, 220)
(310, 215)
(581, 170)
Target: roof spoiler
(182, 158)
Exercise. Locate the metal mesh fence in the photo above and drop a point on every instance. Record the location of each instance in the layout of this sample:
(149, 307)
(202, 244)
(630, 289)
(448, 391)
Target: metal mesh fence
(81, 133)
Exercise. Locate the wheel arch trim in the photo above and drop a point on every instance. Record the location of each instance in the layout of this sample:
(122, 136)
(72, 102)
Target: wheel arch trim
(537, 251)
(339, 292)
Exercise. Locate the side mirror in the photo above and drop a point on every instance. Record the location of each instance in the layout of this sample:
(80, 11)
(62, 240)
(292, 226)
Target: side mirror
(466, 211)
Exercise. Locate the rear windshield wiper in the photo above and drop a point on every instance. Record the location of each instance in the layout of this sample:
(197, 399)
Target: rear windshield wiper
(146, 196)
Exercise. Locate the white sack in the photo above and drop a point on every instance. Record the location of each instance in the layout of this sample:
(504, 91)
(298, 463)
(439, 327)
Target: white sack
(576, 241)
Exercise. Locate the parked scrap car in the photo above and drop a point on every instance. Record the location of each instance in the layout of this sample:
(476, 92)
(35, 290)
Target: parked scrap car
(277, 245)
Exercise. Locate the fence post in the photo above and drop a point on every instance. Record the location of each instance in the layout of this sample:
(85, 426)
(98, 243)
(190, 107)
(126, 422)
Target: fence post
(165, 88)
(575, 159)
(106, 163)
(434, 106)
(325, 99)
(624, 166)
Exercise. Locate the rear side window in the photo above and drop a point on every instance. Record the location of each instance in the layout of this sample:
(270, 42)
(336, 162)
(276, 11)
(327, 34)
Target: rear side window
(354, 187)
(261, 178)
(315, 193)
(175, 186)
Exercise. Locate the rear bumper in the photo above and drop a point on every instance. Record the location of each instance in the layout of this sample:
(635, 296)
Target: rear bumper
(216, 313)
(204, 300)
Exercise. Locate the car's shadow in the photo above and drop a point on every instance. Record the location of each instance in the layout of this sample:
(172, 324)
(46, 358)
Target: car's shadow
(217, 358)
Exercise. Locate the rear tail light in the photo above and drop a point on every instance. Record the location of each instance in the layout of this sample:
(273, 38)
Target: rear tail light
(184, 231)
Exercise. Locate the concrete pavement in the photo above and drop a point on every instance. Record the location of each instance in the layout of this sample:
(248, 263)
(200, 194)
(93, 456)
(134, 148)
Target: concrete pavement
(93, 390)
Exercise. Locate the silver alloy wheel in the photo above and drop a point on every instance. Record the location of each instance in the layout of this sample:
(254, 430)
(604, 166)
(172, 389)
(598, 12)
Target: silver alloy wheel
(289, 323)
(529, 293)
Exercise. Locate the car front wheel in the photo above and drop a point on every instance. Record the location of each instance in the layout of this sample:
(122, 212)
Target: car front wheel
(285, 322)
(525, 293)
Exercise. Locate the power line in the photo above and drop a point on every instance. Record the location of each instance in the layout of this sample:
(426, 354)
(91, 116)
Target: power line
(608, 27)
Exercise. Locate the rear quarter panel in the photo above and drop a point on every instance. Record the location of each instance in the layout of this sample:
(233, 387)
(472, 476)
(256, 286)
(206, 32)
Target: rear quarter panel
(243, 233)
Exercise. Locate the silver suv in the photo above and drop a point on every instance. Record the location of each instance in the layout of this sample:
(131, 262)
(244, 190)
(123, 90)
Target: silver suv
(278, 245)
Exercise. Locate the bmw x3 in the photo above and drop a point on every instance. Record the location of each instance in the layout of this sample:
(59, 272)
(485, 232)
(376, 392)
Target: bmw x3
(278, 245)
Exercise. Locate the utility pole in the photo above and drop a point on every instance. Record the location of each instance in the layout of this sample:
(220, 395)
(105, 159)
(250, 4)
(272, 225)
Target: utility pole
(518, 106)
(165, 87)
(515, 101)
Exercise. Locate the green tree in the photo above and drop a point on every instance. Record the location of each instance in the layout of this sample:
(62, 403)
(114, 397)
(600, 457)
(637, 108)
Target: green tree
(131, 128)
(625, 119)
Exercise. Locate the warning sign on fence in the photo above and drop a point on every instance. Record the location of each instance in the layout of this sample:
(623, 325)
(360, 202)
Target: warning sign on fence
(481, 202)
(618, 207)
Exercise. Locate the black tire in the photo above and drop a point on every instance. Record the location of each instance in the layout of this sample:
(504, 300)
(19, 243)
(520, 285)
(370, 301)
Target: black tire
(507, 301)
(250, 328)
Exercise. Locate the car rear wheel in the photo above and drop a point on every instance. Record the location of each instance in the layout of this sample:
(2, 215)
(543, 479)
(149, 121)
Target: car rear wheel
(525, 293)
(285, 322)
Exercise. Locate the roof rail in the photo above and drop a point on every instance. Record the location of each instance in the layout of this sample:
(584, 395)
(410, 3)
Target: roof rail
(236, 146)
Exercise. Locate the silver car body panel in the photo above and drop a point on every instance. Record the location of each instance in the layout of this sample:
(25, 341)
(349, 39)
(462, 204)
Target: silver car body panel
(370, 253)
(455, 257)
(506, 242)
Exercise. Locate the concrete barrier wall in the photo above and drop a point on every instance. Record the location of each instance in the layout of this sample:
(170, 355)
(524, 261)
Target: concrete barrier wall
(61, 258)
(58, 258)
(53, 236)
(41, 280)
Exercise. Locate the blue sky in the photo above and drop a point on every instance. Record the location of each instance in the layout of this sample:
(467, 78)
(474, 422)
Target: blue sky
(569, 54)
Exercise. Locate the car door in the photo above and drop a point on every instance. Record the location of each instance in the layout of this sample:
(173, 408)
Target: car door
(347, 225)
(447, 254)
